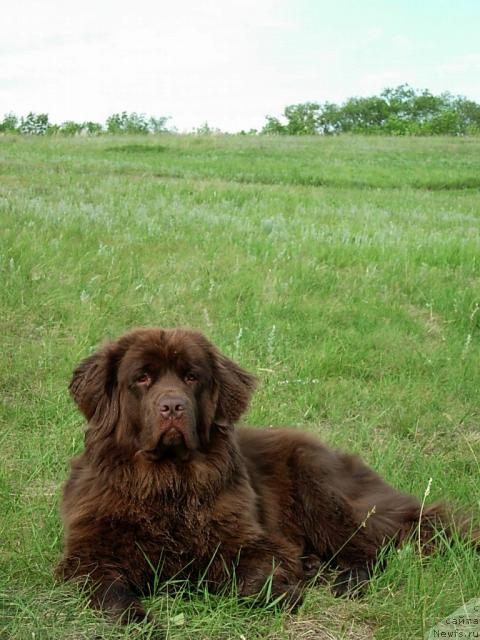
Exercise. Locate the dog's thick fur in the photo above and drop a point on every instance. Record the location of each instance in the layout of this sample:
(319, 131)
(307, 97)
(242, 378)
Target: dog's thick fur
(166, 485)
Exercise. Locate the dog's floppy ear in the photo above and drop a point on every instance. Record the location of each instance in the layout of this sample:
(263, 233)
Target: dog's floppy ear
(89, 383)
(235, 387)
(94, 389)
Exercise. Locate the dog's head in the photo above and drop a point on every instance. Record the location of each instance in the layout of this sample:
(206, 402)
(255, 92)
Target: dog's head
(160, 392)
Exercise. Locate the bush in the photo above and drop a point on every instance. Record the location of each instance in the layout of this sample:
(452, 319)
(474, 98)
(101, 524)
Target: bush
(206, 130)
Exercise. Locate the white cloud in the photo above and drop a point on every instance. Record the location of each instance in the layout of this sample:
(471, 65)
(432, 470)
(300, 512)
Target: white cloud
(468, 63)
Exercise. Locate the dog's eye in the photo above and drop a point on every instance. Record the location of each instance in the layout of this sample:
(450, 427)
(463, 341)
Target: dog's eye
(190, 377)
(143, 380)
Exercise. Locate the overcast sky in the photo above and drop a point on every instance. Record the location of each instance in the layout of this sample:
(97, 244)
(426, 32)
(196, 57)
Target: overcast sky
(227, 62)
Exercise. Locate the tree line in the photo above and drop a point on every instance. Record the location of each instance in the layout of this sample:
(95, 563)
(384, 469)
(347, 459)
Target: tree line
(39, 124)
(396, 111)
(399, 110)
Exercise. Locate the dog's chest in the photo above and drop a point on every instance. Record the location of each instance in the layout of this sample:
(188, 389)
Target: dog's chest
(175, 533)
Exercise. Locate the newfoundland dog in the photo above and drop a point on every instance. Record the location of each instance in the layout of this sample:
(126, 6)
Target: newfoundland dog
(167, 487)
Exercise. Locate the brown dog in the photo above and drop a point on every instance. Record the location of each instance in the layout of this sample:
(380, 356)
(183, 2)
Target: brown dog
(167, 486)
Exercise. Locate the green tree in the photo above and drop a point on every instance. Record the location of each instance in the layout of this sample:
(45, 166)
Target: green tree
(124, 122)
(36, 124)
(399, 100)
(302, 119)
(158, 125)
(9, 123)
(71, 128)
(273, 126)
(330, 119)
(469, 114)
(92, 128)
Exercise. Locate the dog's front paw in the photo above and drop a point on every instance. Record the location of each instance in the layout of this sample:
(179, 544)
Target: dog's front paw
(351, 583)
(291, 596)
(266, 591)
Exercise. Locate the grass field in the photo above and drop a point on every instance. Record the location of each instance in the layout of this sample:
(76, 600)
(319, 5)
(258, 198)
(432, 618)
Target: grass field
(344, 272)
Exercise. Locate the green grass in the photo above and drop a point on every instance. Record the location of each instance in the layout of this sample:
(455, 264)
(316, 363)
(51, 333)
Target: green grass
(344, 272)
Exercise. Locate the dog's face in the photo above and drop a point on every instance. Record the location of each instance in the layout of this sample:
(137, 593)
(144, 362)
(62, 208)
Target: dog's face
(160, 392)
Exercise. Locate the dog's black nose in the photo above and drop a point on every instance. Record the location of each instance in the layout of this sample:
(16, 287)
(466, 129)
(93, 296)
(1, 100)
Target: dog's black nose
(171, 406)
